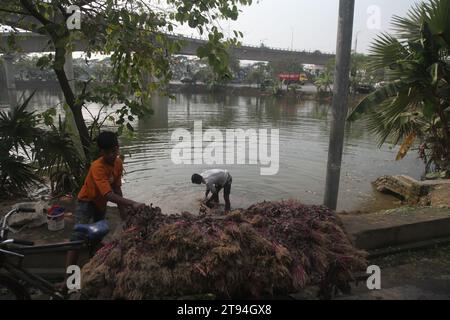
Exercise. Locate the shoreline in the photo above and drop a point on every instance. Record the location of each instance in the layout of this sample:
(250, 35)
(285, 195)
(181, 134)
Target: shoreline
(201, 88)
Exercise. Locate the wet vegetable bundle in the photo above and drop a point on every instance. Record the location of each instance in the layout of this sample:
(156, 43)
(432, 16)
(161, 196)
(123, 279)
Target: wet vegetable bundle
(272, 248)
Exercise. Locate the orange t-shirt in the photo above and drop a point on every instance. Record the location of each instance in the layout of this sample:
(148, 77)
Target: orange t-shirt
(100, 181)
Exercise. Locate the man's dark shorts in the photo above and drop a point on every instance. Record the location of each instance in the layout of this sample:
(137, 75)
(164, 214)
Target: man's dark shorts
(86, 213)
(227, 186)
(226, 189)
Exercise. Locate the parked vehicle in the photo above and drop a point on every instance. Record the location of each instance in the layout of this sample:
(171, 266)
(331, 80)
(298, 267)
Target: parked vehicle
(187, 80)
(291, 78)
(364, 88)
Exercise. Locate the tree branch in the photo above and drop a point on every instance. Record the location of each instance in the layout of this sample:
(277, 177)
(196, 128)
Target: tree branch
(34, 12)
(15, 12)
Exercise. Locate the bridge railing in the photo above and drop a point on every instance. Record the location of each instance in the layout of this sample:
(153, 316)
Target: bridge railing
(178, 35)
(261, 47)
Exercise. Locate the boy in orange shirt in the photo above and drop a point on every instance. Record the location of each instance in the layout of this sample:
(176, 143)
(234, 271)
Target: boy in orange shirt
(102, 184)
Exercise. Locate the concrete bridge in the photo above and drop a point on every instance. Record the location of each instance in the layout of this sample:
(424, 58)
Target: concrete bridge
(31, 42)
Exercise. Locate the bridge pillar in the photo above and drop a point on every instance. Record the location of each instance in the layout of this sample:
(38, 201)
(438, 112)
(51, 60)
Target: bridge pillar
(68, 68)
(148, 78)
(10, 81)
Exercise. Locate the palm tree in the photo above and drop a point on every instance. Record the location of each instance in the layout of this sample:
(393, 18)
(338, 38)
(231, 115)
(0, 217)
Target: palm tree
(17, 131)
(28, 152)
(415, 103)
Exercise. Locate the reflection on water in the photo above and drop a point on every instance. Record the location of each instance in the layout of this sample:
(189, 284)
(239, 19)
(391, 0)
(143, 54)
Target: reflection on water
(304, 129)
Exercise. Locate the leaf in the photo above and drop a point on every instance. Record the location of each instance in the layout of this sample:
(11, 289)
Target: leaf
(202, 51)
(375, 99)
(436, 71)
(130, 127)
(429, 109)
(406, 145)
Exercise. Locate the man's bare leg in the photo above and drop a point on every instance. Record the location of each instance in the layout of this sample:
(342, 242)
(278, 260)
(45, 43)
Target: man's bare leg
(226, 197)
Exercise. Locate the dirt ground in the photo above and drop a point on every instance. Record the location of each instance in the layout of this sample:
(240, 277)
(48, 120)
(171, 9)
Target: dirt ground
(422, 275)
(42, 235)
(440, 196)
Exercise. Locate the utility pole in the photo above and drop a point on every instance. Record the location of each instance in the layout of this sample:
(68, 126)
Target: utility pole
(292, 39)
(340, 101)
(356, 41)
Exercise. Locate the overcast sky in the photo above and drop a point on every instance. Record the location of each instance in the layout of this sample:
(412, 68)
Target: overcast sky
(313, 22)
(310, 24)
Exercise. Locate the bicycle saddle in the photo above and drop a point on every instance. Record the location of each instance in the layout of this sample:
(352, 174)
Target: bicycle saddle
(94, 231)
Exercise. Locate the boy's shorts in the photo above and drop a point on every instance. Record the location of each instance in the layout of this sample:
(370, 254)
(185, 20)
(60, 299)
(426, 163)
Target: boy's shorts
(86, 213)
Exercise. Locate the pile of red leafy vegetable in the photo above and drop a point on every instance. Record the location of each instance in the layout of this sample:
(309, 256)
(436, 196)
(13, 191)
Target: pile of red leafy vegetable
(270, 249)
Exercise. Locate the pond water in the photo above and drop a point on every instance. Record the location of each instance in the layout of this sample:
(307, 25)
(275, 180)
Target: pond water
(152, 177)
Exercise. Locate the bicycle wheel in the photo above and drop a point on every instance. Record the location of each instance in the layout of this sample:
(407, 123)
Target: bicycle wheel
(11, 289)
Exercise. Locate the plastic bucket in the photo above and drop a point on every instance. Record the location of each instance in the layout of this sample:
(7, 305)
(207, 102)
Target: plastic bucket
(55, 222)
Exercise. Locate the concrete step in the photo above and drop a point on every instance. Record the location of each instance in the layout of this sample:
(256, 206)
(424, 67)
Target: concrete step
(394, 228)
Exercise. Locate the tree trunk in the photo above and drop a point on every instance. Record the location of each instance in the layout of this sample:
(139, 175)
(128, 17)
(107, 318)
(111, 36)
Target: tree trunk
(70, 99)
(58, 67)
(445, 129)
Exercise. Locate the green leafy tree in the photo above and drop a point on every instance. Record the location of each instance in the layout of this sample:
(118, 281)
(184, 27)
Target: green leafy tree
(323, 82)
(133, 33)
(26, 69)
(257, 73)
(414, 106)
(359, 73)
(234, 65)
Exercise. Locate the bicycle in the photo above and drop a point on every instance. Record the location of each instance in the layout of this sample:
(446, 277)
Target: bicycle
(15, 279)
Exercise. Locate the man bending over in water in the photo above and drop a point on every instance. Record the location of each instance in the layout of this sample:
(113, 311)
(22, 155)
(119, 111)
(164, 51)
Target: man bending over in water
(215, 180)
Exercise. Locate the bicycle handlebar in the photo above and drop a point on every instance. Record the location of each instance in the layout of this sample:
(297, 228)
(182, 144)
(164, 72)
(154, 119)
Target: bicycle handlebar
(4, 220)
(23, 242)
(17, 241)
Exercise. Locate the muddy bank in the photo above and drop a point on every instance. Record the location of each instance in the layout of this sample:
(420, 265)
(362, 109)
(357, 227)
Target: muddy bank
(234, 90)
(41, 235)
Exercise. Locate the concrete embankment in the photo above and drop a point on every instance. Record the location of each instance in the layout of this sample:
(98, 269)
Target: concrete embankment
(425, 221)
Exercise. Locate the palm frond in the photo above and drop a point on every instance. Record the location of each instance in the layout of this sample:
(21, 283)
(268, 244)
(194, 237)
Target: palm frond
(16, 176)
(58, 158)
(408, 28)
(406, 146)
(438, 18)
(18, 127)
(374, 99)
(385, 52)
(393, 120)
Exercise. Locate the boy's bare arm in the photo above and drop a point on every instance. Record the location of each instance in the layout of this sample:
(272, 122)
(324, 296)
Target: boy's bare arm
(122, 209)
(121, 201)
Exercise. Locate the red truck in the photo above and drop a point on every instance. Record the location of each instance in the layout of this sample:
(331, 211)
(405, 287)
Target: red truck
(290, 78)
